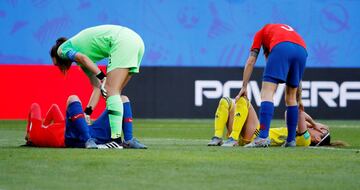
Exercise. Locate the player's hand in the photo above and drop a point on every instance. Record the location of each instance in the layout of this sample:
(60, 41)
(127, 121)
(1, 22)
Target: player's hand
(321, 128)
(243, 92)
(87, 119)
(102, 88)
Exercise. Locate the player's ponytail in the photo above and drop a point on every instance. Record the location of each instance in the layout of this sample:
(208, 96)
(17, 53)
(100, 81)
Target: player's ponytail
(62, 64)
(299, 96)
(61, 40)
(338, 143)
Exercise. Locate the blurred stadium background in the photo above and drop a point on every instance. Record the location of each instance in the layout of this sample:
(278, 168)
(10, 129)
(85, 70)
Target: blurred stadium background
(195, 53)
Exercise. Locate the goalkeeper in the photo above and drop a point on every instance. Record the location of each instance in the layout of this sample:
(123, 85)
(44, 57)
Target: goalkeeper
(73, 131)
(123, 47)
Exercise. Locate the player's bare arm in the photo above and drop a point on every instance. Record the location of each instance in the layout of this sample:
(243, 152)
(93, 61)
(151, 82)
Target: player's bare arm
(85, 61)
(95, 95)
(317, 126)
(249, 66)
(254, 53)
(309, 119)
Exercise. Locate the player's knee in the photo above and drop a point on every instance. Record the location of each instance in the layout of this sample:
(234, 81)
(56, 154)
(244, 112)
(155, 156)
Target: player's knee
(267, 91)
(35, 106)
(225, 103)
(290, 102)
(242, 106)
(290, 99)
(71, 99)
(112, 90)
(35, 111)
(266, 96)
(125, 98)
(242, 102)
(54, 106)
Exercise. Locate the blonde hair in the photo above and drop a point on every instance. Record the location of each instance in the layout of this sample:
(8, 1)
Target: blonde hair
(299, 95)
(338, 143)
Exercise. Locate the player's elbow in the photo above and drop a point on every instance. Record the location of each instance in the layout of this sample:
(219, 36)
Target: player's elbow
(71, 99)
(124, 98)
(251, 61)
(250, 64)
(80, 58)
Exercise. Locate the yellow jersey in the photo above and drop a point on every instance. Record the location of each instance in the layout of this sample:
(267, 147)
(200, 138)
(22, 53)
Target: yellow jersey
(278, 137)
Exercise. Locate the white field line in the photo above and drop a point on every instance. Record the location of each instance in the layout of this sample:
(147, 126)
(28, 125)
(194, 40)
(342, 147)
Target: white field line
(204, 142)
(338, 126)
(169, 141)
(333, 148)
(345, 126)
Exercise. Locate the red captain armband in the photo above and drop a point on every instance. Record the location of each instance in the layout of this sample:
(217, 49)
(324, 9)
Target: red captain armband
(77, 116)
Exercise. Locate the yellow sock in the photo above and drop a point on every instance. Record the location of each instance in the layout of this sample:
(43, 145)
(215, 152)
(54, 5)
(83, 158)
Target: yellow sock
(222, 115)
(241, 113)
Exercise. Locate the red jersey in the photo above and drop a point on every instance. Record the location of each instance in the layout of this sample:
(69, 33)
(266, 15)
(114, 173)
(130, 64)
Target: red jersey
(272, 34)
(51, 133)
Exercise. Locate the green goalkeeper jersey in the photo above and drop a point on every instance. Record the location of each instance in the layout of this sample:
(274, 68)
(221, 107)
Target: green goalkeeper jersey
(95, 42)
(122, 46)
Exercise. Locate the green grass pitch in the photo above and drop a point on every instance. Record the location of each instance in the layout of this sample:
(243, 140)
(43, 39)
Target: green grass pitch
(178, 158)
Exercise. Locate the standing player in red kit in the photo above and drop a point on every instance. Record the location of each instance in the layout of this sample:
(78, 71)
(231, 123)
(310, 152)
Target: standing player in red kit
(285, 54)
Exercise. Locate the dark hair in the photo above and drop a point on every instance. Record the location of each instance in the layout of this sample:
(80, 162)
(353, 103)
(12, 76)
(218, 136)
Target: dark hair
(326, 141)
(62, 64)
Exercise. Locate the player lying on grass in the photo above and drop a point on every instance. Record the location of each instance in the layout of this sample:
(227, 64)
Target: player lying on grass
(242, 125)
(73, 131)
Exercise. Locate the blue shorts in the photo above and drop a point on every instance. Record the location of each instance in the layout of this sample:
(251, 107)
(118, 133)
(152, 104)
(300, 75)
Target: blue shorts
(78, 132)
(286, 64)
(100, 129)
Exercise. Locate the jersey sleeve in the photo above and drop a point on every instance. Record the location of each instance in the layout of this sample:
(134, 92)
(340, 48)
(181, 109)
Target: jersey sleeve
(66, 51)
(258, 39)
(303, 139)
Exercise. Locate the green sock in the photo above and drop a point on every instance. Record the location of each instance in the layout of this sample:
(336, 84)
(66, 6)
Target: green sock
(115, 109)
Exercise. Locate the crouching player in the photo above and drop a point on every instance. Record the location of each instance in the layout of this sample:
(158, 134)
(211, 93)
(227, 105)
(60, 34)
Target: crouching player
(73, 131)
(242, 125)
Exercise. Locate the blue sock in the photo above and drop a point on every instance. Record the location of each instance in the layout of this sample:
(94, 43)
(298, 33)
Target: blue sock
(291, 122)
(127, 126)
(77, 121)
(266, 113)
